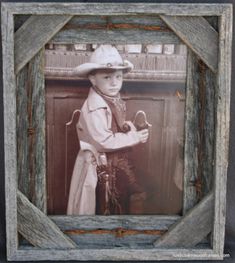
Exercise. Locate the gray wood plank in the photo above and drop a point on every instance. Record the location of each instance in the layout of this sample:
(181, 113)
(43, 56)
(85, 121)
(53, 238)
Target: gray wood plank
(34, 34)
(207, 128)
(111, 238)
(117, 254)
(222, 127)
(116, 9)
(146, 22)
(10, 150)
(199, 131)
(197, 34)
(130, 36)
(114, 231)
(37, 228)
(111, 222)
(31, 141)
(192, 228)
(22, 127)
(191, 134)
(36, 131)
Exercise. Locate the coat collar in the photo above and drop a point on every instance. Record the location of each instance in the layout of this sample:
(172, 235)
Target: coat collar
(95, 101)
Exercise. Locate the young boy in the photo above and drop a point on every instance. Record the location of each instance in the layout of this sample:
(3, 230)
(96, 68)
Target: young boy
(103, 178)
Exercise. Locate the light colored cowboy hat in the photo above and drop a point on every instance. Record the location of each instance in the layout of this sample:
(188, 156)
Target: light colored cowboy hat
(104, 57)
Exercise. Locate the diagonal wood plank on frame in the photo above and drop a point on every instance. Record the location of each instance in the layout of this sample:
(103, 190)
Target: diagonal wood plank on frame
(192, 228)
(197, 34)
(34, 34)
(37, 228)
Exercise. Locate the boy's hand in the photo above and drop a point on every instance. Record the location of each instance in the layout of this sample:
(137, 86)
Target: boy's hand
(132, 126)
(143, 135)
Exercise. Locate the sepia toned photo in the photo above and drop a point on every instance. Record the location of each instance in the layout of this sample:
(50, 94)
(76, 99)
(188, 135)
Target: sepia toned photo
(115, 127)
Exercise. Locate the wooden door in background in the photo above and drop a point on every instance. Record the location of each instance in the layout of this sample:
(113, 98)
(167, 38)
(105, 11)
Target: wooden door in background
(158, 163)
(62, 102)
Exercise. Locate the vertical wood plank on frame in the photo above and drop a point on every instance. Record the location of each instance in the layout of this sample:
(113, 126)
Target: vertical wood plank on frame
(31, 131)
(9, 96)
(200, 131)
(222, 127)
(191, 124)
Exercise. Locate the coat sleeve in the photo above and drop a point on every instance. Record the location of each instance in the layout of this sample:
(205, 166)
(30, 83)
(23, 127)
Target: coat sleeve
(97, 126)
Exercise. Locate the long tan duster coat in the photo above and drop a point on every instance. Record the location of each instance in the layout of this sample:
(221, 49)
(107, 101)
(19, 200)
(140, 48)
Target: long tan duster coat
(95, 135)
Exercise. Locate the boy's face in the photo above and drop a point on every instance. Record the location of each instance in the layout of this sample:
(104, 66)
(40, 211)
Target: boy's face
(108, 82)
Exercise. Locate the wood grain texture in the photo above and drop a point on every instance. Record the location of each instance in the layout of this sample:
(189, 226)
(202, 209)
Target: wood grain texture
(22, 126)
(200, 131)
(31, 141)
(100, 36)
(207, 121)
(37, 228)
(123, 29)
(110, 239)
(192, 228)
(114, 231)
(117, 9)
(117, 254)
(191, 135)
(110, 222)
(222, 102)
(10, 151)
(140, 21)
(198, 35)
(33, 35)
(36, 131)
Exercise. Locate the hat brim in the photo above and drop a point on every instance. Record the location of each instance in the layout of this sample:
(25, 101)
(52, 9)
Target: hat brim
(85, 69)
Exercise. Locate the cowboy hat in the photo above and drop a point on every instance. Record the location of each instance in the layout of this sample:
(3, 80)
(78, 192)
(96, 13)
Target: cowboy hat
(104, 57)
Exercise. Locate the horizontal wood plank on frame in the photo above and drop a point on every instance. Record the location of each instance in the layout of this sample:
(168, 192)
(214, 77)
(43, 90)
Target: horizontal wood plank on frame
(34, 34)
(116, 9)
(117, 254)
(37, 228)
(114, 231)
(153, 22)
(100, 36)
(122, 29)
(192, 228)
(198, 35)
(110, 239)
(110, 222)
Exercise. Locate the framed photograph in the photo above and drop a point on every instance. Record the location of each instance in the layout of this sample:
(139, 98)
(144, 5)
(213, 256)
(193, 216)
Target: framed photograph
(116, 120)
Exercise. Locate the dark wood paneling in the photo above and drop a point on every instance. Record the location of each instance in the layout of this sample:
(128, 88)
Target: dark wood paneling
(62, 143)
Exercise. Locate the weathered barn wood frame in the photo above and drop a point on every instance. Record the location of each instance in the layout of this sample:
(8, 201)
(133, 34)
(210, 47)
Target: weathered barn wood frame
(207, 31)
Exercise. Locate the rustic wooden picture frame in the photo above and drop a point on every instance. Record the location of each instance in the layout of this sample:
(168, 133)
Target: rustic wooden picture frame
(206, 29)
